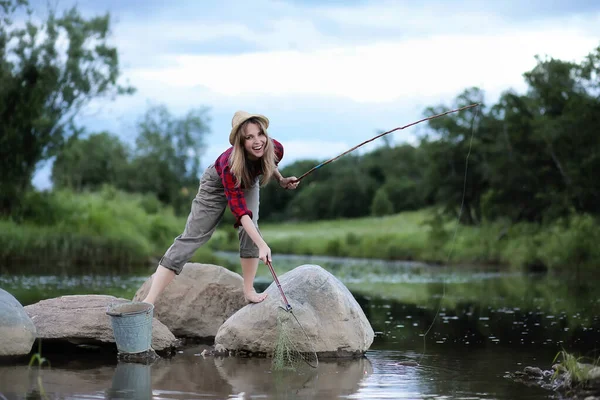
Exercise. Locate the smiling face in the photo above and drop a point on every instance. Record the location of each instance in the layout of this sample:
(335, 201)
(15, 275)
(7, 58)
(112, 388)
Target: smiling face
(254, 141)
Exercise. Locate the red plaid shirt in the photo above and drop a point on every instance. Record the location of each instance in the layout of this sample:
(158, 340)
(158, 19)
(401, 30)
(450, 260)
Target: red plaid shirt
(235, 195)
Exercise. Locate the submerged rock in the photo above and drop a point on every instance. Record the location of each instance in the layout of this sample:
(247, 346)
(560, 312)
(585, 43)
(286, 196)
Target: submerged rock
(82, 320)
(17, 331)
(197, 301)
(583, 385)
(332, 322)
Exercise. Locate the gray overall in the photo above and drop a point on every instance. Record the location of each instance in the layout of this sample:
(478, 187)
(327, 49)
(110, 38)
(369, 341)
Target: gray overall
(207, 210)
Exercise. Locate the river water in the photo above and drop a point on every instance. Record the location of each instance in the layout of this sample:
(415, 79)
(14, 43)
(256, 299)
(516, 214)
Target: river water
(441, 333)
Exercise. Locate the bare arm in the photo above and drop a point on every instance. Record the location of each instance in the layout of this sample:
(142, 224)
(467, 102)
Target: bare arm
(277, 175)
(286, 183)
(264, 252)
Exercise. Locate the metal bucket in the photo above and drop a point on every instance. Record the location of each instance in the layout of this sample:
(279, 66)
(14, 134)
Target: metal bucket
(132, 326)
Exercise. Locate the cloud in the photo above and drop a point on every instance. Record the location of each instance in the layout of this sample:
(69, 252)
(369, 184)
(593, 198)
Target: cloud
(381, 72)
(329, 74)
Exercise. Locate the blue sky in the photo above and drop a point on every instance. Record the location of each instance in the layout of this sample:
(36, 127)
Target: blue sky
(328, 74)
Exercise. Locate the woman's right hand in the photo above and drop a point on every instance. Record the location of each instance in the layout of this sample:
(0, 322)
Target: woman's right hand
(264, 253)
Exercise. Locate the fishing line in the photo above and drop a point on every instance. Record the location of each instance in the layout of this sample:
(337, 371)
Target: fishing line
(462, 203)
(383, 134)
(463, 194)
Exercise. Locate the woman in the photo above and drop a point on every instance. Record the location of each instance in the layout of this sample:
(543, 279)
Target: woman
(232, 180)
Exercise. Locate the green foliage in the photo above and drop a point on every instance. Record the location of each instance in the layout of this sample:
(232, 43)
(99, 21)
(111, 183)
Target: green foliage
(571, 241)
(105, 227)
(87, 164)
(528, 158)
(310, 203)
(427, 235)
(37, 357)
(578, 370)
(48, 72)
(166, 161)
(164, 164)
(381, 204)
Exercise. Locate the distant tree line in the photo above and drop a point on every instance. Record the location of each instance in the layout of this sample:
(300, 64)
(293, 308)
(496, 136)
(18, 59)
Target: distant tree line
(531, 156)
(165, 160)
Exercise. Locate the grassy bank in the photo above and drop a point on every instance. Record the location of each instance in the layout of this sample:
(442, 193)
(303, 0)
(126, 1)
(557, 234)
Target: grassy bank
(113, 228)
(107, 228)
(424, 236)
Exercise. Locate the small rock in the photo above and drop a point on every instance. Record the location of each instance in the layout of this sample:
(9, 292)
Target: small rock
(220, 350)
(534, 372)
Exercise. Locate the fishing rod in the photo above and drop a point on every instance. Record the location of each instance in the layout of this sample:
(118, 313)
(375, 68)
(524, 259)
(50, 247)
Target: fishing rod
(383, 134)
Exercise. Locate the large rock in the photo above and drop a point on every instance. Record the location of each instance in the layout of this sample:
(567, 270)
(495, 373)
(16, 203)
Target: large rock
(197, 302)
(335, 324)
(17, 331)
(82, 319)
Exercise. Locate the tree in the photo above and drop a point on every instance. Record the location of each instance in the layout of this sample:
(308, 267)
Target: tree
(89, 163)
(166, 161)
(381, 204)
(548, 147)
(48, 72)
(446, 148)
(309, 201)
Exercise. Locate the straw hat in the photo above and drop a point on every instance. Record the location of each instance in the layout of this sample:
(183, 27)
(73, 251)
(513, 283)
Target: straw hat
(238, 119)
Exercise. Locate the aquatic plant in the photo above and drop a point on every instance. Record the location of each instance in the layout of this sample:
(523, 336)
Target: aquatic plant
(577, 369)
(41, 393)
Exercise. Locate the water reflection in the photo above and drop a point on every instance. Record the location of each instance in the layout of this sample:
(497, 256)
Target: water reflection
(331, 379)
(131, 381)
(450, 374)
(188, 375)
(479, 324)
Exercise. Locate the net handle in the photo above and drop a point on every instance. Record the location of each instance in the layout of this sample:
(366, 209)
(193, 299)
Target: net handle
(288, 307)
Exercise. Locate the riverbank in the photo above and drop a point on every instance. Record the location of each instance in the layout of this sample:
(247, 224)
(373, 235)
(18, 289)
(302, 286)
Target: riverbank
(91, 230)
(424, 236)
(128, 230)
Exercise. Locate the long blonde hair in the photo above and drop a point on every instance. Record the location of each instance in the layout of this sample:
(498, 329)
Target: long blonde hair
(238, 162)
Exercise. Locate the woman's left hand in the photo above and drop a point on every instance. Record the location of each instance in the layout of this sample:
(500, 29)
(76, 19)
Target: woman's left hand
(289, 183)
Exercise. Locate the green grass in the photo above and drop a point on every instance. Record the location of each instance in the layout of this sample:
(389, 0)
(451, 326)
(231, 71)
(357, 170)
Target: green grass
(400, 236)
(110, 227)
(577, 367)
(416, 235)
(424, 236)
(106, 228)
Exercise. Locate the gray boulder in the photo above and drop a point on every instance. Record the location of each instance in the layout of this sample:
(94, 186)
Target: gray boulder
(82, 319)
(197, 302)
(333, 323)
(17, 331)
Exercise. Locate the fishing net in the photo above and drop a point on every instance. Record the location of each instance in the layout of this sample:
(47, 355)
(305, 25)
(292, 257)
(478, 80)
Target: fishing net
(294, 349)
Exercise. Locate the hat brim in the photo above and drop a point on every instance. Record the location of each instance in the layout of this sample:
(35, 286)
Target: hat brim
(235, 128)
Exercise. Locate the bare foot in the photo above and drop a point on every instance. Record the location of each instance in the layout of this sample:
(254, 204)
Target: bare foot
(254, 297)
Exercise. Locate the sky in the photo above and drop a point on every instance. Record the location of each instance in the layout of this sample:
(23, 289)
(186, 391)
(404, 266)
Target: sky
(328, 74)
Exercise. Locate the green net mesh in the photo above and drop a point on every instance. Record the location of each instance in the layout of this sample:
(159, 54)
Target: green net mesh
(294, 349)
